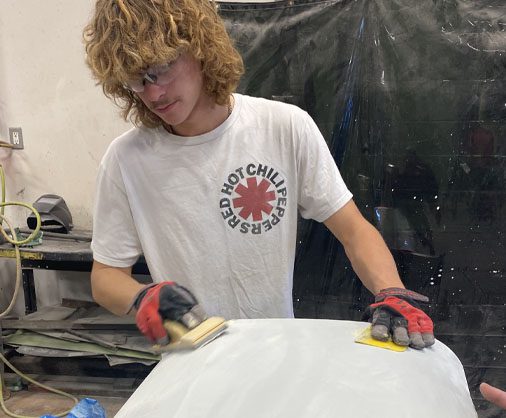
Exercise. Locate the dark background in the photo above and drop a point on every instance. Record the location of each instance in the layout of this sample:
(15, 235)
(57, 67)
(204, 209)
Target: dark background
(411, 98)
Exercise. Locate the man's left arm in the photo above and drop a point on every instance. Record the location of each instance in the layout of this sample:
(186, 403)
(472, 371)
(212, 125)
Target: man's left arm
(370, 257)
(395, 312)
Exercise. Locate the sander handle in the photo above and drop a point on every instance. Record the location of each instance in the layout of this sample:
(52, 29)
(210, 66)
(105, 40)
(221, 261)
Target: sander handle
(175, 330)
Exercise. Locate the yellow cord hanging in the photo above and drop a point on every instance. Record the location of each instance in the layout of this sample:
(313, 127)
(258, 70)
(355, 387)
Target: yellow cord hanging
(14, 241)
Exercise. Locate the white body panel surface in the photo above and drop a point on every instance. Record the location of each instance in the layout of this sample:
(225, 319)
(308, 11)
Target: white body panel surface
(302, 368)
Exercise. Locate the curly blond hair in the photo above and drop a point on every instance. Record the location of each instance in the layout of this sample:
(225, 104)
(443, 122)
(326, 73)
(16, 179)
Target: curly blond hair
(124, 37)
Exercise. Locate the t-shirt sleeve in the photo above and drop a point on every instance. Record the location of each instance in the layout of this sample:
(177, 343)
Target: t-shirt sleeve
(321, 189)
(115, 241)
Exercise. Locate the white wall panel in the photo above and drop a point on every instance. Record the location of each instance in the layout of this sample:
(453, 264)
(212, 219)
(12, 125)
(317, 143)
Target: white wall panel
(47, 90)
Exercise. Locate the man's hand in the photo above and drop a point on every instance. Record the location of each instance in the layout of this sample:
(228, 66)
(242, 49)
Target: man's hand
(395, 313)
(165, 301)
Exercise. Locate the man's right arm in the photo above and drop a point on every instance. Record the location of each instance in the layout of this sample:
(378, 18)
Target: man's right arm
(114, 288)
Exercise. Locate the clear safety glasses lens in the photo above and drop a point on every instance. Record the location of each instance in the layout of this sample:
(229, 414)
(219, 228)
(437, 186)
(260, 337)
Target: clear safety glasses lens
(159, 75)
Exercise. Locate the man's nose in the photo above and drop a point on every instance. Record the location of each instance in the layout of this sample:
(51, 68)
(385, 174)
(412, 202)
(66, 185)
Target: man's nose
(153, 92)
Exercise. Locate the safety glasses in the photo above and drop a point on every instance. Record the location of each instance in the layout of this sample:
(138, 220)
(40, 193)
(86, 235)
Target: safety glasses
(160, 75)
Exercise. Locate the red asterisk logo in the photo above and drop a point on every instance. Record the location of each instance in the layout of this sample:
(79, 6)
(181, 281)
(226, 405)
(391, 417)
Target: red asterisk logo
(254, 199)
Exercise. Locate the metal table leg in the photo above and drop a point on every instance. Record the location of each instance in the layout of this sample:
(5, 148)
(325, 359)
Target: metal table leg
(29, 290)
(5, 391)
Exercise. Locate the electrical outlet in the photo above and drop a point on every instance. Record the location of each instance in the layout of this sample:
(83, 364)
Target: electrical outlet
(16, 138)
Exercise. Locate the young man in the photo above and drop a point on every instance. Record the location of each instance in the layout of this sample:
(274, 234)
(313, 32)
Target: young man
(209, 183)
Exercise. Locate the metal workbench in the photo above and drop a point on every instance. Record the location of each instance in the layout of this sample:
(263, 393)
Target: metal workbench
(57, 253)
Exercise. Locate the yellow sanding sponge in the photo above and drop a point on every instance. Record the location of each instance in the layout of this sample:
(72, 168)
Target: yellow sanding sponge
(365, 338)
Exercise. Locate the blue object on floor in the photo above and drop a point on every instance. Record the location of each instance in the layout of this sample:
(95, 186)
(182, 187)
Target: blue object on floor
(86, 408)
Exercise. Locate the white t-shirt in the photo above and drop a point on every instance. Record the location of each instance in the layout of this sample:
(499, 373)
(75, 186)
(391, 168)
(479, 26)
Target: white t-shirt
(217, 213)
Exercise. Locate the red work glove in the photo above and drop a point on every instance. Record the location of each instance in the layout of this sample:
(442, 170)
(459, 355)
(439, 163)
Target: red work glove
(165, 301)
(396, 313)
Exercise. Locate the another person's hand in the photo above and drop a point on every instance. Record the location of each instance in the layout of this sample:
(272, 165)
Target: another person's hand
(164, 301)
(494, 395)
(396, 314)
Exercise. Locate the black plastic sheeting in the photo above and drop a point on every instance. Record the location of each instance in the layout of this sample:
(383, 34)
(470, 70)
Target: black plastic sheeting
(411, 98)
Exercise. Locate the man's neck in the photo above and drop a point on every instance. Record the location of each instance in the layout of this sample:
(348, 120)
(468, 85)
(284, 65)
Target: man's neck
(205, 117)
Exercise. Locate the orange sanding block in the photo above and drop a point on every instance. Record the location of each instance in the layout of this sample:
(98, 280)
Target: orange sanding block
(182, 338)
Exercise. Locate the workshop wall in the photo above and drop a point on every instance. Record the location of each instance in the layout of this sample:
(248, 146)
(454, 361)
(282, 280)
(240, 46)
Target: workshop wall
(67, 123)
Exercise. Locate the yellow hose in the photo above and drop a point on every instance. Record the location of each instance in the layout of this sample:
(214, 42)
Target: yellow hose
(14, 241)
(48, 388)
(4, 144)
(18, 266)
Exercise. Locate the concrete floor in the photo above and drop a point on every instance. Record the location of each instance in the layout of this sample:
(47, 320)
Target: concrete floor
(38, 403)
(41, 403)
